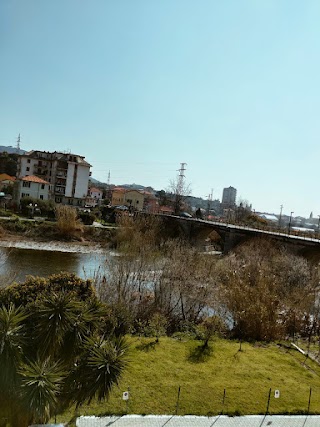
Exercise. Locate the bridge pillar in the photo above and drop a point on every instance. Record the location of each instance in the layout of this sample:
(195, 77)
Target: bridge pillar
(231, 238)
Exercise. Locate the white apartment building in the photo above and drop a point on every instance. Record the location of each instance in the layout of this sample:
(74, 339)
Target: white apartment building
(31, 186)
(68, 174)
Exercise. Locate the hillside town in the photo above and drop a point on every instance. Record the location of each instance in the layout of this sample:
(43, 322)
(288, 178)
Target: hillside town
(66, 178)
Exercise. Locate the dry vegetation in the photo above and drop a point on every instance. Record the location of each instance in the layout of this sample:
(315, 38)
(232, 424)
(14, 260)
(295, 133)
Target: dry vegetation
(258, 292)
(68, 224)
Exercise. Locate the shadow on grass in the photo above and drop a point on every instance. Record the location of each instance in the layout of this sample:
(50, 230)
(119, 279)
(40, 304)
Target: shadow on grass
(148, 346)
(200, 354)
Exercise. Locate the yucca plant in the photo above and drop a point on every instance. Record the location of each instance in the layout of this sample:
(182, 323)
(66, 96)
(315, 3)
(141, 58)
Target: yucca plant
(98, 369)
(41, 384)
(53, 353)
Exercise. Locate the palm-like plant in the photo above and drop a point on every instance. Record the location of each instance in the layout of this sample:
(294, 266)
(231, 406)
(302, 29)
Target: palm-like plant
(54, 352)
(12, 337)
(12, 340)
(41, 383)
(56, 317)
(99, 369)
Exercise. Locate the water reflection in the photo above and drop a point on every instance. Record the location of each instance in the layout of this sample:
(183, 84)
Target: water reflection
(23, 262)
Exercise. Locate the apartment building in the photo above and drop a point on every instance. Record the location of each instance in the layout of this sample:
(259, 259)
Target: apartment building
(133, 199)
(68, 174)
(229, 198)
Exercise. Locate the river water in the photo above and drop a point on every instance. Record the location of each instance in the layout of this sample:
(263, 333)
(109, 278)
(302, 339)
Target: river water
(17, 263)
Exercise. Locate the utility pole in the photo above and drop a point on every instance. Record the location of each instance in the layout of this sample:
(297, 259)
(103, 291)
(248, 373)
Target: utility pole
(281, 207)
(108, 192)
(179, 188)
(181, 178)
(209, 202)
(18, 144)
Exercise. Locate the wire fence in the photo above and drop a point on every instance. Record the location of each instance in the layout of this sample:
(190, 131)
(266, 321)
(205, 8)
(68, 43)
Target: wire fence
(285, 398)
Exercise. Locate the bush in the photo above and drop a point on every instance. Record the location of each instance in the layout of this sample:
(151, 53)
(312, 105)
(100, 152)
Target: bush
(44, 207)
(87, 217)
(36, 288)
(68, 223)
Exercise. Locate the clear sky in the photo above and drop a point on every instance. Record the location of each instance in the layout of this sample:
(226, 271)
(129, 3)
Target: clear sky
(138, 86)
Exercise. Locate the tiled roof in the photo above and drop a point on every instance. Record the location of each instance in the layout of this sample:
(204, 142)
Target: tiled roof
(6, 177)
(32, 178)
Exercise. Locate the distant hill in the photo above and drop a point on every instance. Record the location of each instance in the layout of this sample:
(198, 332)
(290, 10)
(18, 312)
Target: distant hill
(136, 187)
(95, 181)
(11, 150)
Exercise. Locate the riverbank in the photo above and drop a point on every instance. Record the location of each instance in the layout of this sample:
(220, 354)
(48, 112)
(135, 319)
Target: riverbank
(44, 235)
(23, 242)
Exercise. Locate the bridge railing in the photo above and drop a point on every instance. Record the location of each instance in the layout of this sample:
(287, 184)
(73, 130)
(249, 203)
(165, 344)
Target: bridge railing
(270, 228)
(275, 229)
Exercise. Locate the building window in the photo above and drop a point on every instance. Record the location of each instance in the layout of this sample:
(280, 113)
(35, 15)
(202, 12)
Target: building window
(25, 195)
(58, 199)
(28, 160)
(41, 197)
(27, 169)
(42, 186)
(70, 201)
(26, 184)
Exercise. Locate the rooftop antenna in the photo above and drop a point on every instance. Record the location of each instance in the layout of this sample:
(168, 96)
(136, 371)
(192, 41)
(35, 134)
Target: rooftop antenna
(108, 182)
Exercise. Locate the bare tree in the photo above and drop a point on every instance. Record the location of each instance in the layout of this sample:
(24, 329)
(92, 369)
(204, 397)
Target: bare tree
(267, 292)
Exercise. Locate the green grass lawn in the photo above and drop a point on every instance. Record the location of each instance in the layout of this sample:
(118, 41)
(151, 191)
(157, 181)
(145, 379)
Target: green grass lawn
(156, 371)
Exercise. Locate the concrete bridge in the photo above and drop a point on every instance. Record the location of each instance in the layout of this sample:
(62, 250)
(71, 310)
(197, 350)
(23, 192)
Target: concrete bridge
(230, 235)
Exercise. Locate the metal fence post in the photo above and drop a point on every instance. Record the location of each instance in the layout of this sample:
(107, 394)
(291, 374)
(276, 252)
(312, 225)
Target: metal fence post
(178, 398)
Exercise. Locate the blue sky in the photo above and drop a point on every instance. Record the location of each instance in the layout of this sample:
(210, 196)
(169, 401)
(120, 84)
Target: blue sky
(139, 86)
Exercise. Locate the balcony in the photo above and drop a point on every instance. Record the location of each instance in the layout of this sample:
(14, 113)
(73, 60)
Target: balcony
(41, 164)
(59, 190)
(61, 175)
(39, 172)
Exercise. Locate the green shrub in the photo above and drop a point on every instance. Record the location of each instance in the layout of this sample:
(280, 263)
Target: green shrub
(36, 288)
(87, 217)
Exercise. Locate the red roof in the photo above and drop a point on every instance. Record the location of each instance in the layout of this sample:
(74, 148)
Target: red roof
(6, 177)
(33, 178)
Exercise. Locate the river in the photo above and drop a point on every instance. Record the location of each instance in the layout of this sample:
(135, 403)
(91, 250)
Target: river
(18, 262)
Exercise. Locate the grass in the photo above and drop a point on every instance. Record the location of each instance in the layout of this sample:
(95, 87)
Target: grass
(156, 371)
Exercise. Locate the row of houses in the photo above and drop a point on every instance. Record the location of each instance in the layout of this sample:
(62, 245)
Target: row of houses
(65, 178)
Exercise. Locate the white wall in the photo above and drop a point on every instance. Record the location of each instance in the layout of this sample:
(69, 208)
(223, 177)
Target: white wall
(81, 189)
(69, 182)
(34, 190)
